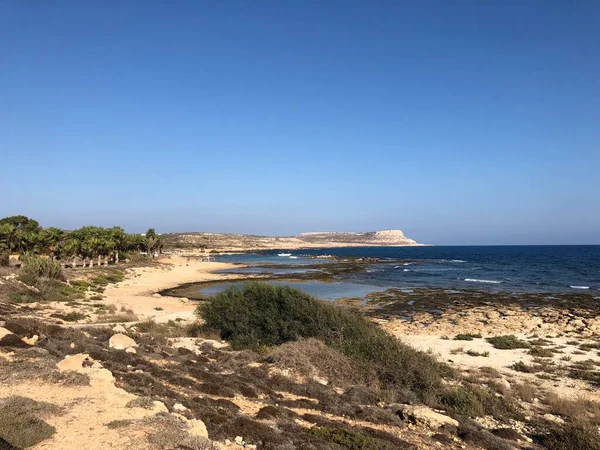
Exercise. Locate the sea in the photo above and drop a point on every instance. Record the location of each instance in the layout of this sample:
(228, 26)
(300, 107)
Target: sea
(518, 269)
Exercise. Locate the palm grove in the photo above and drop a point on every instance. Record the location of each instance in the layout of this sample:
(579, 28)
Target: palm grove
(86, 246)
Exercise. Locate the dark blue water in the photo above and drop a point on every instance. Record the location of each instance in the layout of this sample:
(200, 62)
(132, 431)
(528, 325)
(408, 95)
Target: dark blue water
(489, 268)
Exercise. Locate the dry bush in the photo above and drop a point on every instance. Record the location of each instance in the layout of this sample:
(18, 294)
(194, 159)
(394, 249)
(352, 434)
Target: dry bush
(311, 358)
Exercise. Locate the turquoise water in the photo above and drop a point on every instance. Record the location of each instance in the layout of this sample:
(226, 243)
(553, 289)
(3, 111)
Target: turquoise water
(325, 291)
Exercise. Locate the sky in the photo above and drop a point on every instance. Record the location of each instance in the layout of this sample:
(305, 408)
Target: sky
(462, 122)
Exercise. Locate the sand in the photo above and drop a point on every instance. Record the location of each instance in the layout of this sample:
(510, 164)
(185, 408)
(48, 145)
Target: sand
(138, 292)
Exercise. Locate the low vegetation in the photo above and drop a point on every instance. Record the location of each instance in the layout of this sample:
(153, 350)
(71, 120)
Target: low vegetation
(467, 337)
(507, 342)
(258, 315)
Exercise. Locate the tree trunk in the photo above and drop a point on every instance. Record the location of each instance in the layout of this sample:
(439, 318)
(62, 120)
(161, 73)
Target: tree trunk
(91, 262)
(117, 257)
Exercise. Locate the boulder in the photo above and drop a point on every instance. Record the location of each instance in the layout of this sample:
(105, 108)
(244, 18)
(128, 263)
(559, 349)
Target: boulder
(179, 407)
(130, 350)
(121, 342)
(425, 416)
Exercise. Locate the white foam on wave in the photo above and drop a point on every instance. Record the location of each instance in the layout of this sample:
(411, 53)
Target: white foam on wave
(579, 287)
(474, 280)
(457, 260)
(407, 264)
(407, 270)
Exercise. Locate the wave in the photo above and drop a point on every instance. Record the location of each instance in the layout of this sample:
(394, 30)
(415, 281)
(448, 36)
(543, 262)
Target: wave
(457, 260)
(407, 270)
(474, 280)
(579, 287)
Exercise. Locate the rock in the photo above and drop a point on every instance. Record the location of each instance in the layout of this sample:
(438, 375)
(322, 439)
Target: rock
(158, 407)
(239, 440)
(322, 381)
(72, 362)
(119, 329)
(425, 416)
(553, 418)
(130, 350)
(32, 340)
(156, 295)
(197, 428)
(72, 345)
(179, 407)
(184, 300)
(9, 339)
(121, 342)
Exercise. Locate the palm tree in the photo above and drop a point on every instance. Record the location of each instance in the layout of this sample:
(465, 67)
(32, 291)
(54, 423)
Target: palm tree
(8, 235)
(119, 239)
(153, 244)
(53, 237)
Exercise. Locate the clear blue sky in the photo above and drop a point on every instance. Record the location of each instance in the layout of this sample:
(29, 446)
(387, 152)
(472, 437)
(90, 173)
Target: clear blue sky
(459, 122)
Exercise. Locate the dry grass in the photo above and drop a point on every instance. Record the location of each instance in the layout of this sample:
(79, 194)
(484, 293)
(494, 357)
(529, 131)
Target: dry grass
(525, 392)
(579, 409)
(310, 358)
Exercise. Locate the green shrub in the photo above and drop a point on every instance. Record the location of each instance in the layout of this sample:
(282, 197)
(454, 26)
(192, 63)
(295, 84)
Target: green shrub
(34, 267)
(467, 337)
(4, 259)
(507, 342)
(257, 315)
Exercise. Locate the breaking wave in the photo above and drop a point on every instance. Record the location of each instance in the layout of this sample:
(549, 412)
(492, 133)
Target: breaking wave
(474, 280)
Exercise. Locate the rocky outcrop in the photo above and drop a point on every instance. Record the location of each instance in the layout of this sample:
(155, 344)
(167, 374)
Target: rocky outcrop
(425, 416)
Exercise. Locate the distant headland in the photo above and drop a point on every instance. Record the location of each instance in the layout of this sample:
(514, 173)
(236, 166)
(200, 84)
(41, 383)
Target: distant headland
(246, 242)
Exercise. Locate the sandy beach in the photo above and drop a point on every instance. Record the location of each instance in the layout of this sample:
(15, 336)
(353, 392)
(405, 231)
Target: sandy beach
(138, 292)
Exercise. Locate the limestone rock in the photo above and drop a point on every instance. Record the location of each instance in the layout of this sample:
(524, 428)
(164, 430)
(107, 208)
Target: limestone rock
(179, 407)
(239, 440)
(130, 350)
(425, 416)
(119, 329)
(156, 295)
(197, 428)
(121, 342)
(158, 407)
(32, 340)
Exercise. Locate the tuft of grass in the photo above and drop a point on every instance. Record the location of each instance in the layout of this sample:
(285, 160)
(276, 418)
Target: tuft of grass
(507, 342)
(258, 315)
(525, 392)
